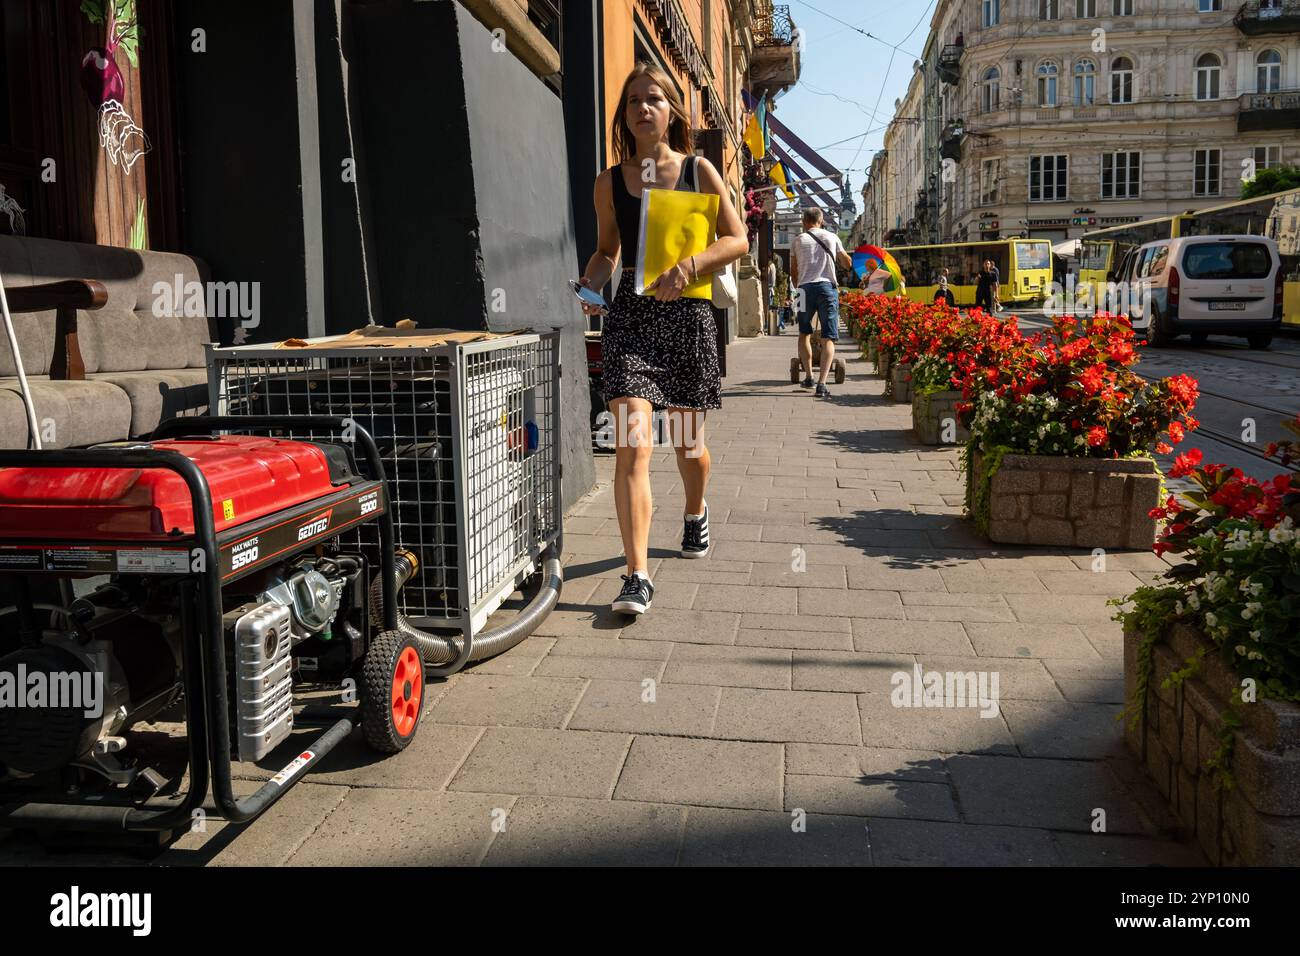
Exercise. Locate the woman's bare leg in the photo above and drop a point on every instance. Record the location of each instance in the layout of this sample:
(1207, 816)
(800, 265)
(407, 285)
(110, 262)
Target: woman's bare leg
(632, 502)
(693, 461)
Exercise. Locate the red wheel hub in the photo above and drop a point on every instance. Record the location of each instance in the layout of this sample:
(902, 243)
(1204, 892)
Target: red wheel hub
(408, 687)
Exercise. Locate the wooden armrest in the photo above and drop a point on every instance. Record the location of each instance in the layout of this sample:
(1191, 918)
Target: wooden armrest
(66, 293)
(65, 297)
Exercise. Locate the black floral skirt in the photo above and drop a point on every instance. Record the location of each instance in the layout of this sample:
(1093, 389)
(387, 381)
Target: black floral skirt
(664, 352)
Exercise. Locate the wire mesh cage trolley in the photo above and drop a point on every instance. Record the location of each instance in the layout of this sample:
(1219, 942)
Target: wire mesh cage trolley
(469, 435)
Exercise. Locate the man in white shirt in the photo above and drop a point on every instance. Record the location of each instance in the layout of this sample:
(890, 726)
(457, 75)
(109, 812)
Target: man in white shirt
(813, 256)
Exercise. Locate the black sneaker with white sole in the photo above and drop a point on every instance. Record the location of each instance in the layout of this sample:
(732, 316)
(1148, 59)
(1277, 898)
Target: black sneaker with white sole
(695, 536)
(822, 392)
(635, 596)
(807, 382)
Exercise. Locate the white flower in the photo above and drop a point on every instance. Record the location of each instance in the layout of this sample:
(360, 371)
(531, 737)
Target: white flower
(1194, 601)
(1251, 609)
(1280, 535)
(1240, 648)
(1210, 619)
(1254, 635)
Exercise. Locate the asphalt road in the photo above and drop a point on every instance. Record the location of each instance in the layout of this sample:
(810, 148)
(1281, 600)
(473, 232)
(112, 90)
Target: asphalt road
(1245, 394)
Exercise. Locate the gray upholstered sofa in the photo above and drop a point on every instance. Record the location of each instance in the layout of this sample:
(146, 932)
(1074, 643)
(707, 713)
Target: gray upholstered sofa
(134, 367)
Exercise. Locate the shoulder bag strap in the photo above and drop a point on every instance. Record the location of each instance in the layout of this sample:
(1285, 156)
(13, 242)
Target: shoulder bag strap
(835, 266)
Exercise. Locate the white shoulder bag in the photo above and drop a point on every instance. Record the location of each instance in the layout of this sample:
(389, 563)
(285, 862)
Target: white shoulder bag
(724, 280)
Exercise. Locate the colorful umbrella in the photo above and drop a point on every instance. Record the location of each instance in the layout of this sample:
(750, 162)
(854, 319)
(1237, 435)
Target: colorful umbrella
(862, 253)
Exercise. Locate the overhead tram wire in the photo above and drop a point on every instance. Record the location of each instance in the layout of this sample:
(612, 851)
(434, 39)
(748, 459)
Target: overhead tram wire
(885, 80)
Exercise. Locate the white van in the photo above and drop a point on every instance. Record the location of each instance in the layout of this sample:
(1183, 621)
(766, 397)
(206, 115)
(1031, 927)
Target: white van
(1202, 285)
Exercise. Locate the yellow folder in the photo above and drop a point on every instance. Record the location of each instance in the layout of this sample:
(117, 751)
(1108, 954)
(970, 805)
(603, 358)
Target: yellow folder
(675, 225)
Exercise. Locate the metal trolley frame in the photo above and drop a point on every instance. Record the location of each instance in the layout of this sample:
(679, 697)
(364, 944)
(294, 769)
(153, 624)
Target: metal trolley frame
(469, 437)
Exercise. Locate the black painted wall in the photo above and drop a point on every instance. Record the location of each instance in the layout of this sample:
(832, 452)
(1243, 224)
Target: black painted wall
(466, 180)
(237, 129)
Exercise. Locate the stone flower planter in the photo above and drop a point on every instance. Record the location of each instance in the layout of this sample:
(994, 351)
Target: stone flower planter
(882, 364)
(873, 348)
(930, 411)
(1071, 502)
(900, 382)
(1255, 822)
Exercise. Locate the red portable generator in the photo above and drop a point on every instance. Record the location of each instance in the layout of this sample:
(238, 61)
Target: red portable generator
(226, 587)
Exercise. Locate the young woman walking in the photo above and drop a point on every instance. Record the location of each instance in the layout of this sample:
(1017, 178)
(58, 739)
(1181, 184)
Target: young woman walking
(660, 350)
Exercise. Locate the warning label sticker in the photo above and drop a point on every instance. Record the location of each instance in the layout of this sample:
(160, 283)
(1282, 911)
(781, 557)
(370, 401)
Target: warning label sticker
(153, 561)
(290, 771)
(15, 559)
(80, 559)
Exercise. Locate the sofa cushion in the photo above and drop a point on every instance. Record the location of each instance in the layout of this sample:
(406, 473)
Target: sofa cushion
(142, 326)
(69, 414)
(152, 393)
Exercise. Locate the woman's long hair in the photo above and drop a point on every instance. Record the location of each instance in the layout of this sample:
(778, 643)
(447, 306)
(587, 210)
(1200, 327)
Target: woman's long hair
(681, 137)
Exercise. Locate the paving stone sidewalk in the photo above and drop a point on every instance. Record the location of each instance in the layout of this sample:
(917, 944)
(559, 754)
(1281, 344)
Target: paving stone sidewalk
(840, 559)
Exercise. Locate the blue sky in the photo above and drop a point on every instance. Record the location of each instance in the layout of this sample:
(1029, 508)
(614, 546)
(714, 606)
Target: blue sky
(845, 74)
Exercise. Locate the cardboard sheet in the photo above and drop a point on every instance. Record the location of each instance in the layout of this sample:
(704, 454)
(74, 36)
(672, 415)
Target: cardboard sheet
(379, 337)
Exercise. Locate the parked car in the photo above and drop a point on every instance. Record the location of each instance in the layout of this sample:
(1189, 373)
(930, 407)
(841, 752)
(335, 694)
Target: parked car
(1202, 286)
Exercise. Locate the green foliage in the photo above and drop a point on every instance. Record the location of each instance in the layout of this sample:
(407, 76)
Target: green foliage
(977, 503)
(125, 28)
(1151, 613)
(1273, 180)
(140, 229)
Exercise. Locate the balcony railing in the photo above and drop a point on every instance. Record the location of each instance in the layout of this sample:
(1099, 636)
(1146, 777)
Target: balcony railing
(1280, 110)
(950, 63)
(950, 141)
(773, 25)
(1260, 17)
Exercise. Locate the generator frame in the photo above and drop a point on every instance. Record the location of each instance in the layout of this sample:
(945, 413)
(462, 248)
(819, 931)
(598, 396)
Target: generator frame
(203, 648)
(476, 599)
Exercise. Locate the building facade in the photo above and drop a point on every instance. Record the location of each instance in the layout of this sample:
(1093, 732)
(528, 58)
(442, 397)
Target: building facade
(1059, 116)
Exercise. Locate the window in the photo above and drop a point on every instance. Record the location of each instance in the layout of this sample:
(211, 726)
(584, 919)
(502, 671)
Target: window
(1049, 9)
(990, 176)
(1085, 83)
(1266, 157)
(990, 12)
(1085, 8)
(1268, 72)
(989, 92)
(1207, 77)
(1227, 260)
(1047, 84)
(1205, 179)
(1209, 6)
(1121, 175)
(1121, 80)
(1121, 8)
(1033, 255)
(1143, 268)
(1159, 261)
(1047, 178)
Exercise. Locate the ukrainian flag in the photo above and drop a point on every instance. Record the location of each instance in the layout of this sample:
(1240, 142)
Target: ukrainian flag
(777, 175)
(754, 137)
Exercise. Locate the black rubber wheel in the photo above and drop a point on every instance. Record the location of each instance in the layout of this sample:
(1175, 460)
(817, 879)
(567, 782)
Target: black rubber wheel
(392, 692)
(1199, 339)
(1261, 341)
(1157, 337)
(840, 371)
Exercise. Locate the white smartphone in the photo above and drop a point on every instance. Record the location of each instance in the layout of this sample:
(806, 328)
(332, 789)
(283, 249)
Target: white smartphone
(589, 296)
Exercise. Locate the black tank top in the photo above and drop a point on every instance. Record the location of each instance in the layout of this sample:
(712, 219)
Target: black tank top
(627, 208)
